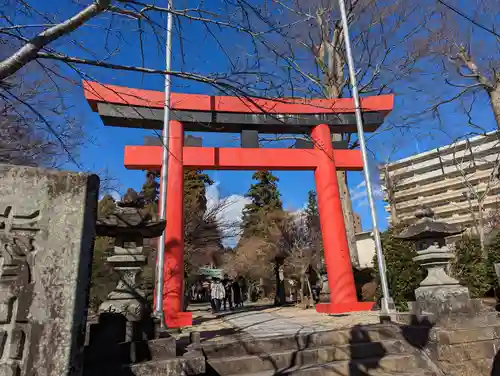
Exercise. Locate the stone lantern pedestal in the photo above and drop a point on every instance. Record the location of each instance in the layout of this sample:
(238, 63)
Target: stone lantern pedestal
(127, 298)
(440, 297)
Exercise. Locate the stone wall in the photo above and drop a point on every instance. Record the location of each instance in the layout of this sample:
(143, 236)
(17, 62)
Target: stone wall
(47, 228)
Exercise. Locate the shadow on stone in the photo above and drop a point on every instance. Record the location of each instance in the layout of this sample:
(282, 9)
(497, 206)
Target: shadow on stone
(416, 333)
(358, 335)
(495, 368)
(114, 342)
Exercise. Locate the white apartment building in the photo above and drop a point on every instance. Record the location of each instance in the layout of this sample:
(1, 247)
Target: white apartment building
(454, 180)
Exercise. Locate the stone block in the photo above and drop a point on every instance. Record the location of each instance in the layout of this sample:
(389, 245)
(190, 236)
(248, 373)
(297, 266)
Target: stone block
(192, 364)
(47, 229)
(451, 337)
(162, 348)
(477, 367)
(468, 351)
(283, 363)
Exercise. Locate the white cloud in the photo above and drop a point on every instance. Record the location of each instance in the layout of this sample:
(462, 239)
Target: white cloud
(212, 195)
(360, 196)
(230, 211)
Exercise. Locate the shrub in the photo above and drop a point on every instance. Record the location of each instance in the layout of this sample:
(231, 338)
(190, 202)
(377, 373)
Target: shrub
(403, 274)
(471, 270)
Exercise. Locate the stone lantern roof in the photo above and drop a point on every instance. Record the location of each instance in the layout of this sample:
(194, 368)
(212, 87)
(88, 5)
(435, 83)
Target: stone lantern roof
(427, 227)
(130, 217)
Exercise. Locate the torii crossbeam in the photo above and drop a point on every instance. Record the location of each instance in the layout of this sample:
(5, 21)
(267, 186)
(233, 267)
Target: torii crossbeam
(142, 109)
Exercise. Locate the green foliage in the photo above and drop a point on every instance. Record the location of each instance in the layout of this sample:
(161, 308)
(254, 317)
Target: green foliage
(403, 274)
(471, 270)
(493, 257)
(151, 191)
(202, 236)
(265, 199)
(195, 183)
(313, 225)
(312, 213)
(103, 279)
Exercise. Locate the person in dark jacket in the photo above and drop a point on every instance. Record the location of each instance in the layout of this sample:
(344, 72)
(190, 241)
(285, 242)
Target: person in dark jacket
(228, 301)
(236, 294)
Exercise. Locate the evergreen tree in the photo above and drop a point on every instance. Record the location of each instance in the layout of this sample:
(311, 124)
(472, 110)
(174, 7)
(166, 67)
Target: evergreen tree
(314, 228)
(312, 213)
(265, 201)
(403, 274)
(195, 183)
(202, 236)
(260, 217)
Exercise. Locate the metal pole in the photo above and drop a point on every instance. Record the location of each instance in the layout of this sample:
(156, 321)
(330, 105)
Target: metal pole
(386, 299)
(164, 172)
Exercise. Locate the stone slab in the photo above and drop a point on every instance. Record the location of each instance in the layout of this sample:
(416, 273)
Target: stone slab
(461, 336)
(189, 364)
(259, 324)
(47, 228)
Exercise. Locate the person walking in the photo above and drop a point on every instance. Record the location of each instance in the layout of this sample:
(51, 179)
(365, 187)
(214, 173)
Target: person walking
(218, 294)
(244, 289)
(235, 286)
(228, 301)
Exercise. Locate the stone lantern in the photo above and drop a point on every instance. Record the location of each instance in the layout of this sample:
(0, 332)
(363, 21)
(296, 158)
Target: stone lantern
(129, 225)
(439, 295)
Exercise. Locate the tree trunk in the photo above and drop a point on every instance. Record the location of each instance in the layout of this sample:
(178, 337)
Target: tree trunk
(495, 102)
(480, 230)
(302, 296)
(345, 198)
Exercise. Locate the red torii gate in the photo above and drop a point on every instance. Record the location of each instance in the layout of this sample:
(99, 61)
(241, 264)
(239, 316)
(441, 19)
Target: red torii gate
(143, 109)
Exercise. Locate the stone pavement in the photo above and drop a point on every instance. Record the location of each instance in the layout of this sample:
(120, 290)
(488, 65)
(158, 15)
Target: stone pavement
(261, 321)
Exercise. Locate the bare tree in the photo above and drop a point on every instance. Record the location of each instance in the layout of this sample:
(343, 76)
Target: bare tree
(288, 240)
(480, 191)
(461, 53)
(37, 126)
(204, 236)
(92, 35)
(390, 187)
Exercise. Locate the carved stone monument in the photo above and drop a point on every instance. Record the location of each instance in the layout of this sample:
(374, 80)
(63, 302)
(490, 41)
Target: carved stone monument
(439, 295)
(129, 225)
(47, 229)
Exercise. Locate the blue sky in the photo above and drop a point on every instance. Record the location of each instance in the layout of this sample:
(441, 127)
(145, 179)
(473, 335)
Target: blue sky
(202, 54)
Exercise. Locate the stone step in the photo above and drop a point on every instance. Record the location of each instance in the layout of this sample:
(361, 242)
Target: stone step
(389, 365)
(466, 335)
(131, 352)
(313, 356)
(162, 348)
(249, 345)
(185, 365)
(462, 352)
(321, 371)
(471, 367)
